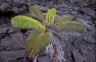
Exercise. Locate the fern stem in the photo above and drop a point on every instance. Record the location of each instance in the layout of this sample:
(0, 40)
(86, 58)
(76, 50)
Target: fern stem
(55, 50)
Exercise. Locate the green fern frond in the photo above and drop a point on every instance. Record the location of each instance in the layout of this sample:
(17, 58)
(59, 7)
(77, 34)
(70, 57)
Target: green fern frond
(38, 14)
(50, 16)
(66, 18)
(36, 43)
(70, 26)
(25, 22)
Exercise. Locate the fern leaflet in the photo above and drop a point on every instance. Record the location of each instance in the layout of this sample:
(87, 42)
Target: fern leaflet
(50, 16)
(36, 43)
(25, 22)
(66, 18)
(70, 26)
(34, 10)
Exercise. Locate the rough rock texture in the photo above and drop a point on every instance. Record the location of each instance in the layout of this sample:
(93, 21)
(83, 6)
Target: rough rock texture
(77, 47)
(12, 45)
(14, 6)
(12, 56)
(11, 39)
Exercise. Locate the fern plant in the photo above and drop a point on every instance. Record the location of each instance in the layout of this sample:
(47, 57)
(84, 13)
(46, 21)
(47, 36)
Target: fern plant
(37, 41)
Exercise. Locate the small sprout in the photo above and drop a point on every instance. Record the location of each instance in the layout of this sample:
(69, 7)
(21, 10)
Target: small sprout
(38, 40)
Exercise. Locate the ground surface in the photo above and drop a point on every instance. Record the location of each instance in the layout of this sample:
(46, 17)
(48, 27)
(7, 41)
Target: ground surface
(76, 48)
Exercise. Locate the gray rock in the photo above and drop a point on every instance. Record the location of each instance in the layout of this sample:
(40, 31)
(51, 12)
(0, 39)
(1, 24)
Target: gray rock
(11, 39)
(76, 49)
(44, 9)
(12, 56)
(3, 30)
(14, 6)
(12, 45)
(43, 59)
